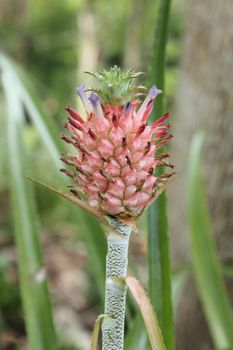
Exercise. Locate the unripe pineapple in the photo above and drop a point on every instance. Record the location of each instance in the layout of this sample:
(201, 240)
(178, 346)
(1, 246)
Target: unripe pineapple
(115, 159)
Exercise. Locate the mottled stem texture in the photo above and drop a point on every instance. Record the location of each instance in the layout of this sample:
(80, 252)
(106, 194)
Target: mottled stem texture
(115, 287)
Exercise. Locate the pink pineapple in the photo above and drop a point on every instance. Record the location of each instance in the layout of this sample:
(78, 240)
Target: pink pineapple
(115, 160)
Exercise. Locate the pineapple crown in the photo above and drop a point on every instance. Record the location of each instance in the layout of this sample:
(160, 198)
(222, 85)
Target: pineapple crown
(116, 87)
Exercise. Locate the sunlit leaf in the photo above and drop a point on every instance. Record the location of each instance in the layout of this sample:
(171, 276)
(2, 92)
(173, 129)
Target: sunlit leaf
(88, 226)
(33, 281)
(33, 112)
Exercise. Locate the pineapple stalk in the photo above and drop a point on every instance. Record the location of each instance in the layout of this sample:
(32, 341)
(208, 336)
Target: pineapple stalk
(115, 287)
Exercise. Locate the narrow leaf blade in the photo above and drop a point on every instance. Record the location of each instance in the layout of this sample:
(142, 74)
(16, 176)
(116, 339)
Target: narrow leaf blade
(158, 238)
(89, 228)
(33, 283)
(147, 312)
(81, 204)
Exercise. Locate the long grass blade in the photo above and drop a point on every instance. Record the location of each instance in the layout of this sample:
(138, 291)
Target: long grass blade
(158, 240)
(207, 270)
(147, 312)
(42, 127)
(36, 301)
(89, 228)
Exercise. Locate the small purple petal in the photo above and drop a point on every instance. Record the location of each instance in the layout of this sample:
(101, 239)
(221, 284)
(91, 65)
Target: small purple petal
(127, 106)
(154, 91)
(94, 98)
(95, 101)
(81, 91)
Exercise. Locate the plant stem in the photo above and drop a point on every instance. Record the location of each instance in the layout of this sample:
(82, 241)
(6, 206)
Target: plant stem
(158, 239)
(115, 287)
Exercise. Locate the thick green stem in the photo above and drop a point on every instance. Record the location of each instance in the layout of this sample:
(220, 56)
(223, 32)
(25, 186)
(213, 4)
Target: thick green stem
(115, 287)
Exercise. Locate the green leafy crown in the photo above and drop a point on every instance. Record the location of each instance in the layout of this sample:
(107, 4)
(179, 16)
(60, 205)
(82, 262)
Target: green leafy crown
(116, 87)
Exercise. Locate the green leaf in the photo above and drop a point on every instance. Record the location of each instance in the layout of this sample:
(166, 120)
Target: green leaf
(89, 228)
(159, 267)
(36, 301)
(207, 270)
(147, 312)
(46, 129)
(158, 239)
(158, 61)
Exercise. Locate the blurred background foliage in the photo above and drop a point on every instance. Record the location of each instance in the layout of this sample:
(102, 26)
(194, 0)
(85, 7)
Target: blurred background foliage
(51, 43)
(44, 38)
